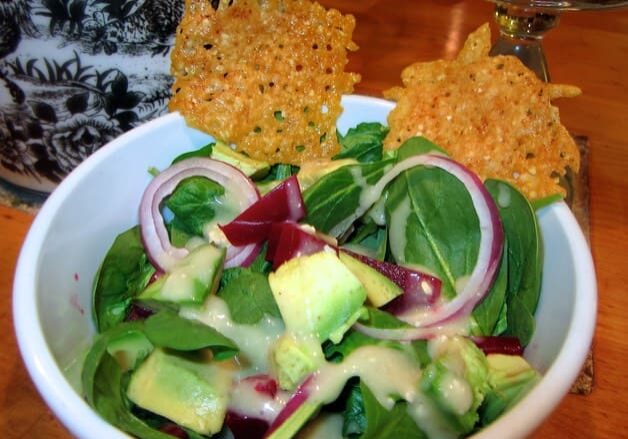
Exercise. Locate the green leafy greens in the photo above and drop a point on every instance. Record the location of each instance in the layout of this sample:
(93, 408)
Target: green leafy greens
(123, 274)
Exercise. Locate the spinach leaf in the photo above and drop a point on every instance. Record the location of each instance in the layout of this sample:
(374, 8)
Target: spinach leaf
(525, 259)
(123, 274)
(369, 239)
(416, 146)
(194, 203)
(521, 323)
(354, 423)
(104, 384)
(384, 424)
(179, 237)
(168, 330)
(335, 353)
(432, 223)
(248, 295)
(279, 172)
(363, 143)
(260, 264)
(378, 318)
(205, 151)
(111, 403)
(98, 350)
(502, 320)
(333, 202)
(486, 314)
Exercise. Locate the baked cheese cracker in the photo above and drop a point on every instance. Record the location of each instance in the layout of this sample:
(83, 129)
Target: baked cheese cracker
(490, 113)
(265, 76)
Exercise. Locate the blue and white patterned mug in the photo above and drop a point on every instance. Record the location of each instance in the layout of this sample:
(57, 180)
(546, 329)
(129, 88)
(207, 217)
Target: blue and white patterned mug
(74, 74)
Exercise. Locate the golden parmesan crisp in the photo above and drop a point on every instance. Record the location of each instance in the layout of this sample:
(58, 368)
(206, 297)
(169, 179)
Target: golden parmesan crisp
(266, 76)
(490, 113)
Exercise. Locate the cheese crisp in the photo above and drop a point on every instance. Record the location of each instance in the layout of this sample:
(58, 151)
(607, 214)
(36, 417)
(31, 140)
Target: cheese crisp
(266, 76)
(490, 113)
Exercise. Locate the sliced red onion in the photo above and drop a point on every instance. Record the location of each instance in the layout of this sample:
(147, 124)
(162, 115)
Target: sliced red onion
(162, 254)
(409, 334)
(241, 256)
(499, 345)
(300, 396)
(420, 289)
(489, 254)
(289, 240)
(282, 203)
(254, 405)
(245, 427)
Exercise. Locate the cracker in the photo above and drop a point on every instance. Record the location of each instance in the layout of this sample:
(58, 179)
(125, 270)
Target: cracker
(490, 113)
(265, 76)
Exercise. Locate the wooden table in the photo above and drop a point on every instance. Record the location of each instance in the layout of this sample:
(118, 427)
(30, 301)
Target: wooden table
(587, 49)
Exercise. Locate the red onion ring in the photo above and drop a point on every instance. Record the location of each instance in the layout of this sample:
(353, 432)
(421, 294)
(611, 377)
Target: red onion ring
(162, 254)
(489, 254)
(409, 334)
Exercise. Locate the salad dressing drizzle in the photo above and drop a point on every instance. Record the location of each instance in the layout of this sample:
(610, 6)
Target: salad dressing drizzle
(397, 235)
(254, 341)
(386, 372)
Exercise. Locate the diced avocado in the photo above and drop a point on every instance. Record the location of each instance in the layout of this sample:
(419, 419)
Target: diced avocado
(129, 349)
(190, 389)
(456, 381)
(251, 167)
(379, 289)
(312, 171)
(317, 295)
(510, 378)
(294, 358)
(192, 280)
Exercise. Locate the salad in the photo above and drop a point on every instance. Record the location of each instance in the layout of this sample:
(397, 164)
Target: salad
(377, 294)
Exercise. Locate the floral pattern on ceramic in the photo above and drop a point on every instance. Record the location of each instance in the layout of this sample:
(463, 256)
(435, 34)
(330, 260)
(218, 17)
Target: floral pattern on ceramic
(74, 74)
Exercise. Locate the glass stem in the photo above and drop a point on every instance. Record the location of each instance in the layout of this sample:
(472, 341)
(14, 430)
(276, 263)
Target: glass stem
(521, 32)
(530, 52)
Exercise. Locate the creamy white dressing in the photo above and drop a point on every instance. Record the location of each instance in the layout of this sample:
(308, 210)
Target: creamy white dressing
(503, 195)
(397, 235)
(441, 345)
(456, 389)
(377, 212)
(214, 234)
(429, 419)
(385, 371)
(254, 341)
(457, 392)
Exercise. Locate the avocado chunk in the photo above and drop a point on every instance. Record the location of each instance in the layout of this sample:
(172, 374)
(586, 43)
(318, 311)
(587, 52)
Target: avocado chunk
(251, 167)
(456, 381)
(379, 289)
(318, 295)
(510, 378)
(193, 278)
(129, 348)
(189, 389)
(312, 171)
(294, 358)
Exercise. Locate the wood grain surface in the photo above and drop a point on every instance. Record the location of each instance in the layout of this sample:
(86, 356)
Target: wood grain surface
(588, 49)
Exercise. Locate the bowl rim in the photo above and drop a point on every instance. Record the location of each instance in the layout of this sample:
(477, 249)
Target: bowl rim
(81, 420)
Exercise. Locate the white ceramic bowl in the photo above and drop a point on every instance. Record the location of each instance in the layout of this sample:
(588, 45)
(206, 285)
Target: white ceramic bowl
(76, 225)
